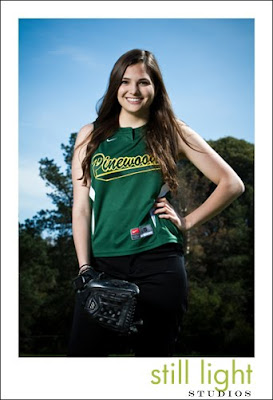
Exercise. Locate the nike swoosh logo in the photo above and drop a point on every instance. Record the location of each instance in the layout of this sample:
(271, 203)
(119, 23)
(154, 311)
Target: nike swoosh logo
(110, 140)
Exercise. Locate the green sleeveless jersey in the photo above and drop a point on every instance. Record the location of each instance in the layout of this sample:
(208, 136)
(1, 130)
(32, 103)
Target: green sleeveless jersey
(125, 182)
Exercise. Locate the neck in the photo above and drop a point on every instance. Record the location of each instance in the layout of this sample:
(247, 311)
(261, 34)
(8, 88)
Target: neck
(132, 121)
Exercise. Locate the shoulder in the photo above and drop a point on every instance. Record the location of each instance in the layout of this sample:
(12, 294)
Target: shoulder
(82, 140)
(84, 132)
(185, 130)
(83, 136)
(191, 143)
(187, 137)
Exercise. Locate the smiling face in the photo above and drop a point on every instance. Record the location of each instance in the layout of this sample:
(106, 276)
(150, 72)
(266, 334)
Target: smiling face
(136, 91)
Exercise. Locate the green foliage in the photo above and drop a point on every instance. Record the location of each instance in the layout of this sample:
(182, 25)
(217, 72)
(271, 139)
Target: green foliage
(48, 265)
(60, 183)
(219, 262)
(37, 280)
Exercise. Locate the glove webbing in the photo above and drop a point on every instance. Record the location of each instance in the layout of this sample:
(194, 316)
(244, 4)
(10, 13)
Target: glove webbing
(110, 302)
(111, 310)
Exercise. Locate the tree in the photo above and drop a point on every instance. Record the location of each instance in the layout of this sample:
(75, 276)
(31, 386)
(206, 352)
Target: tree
(48, 264)
(219, 261)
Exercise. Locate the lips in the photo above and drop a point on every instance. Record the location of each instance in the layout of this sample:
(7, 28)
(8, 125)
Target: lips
(133, 100)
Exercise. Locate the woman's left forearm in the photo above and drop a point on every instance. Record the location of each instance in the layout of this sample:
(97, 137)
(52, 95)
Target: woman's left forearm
(224, 194)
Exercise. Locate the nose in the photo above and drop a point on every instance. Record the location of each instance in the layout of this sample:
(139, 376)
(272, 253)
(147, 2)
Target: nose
(134, 89)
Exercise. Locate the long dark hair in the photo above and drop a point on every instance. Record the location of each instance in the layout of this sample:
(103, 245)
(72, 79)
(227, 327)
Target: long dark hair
(162, 128)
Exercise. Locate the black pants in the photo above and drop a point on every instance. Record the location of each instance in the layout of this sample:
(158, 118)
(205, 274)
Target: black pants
(162, 280)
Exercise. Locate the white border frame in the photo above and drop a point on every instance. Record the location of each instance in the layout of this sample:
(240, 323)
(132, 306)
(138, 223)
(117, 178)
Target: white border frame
(37, 378)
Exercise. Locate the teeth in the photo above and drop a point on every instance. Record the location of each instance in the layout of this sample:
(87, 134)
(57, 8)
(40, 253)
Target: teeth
(133, 100)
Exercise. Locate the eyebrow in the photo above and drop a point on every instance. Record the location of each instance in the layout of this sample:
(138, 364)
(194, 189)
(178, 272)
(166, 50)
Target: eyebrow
(141, 79)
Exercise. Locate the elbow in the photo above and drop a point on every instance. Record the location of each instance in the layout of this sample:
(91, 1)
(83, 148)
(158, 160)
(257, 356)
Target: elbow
(241, 188)
(80, 212)
(233, 186)
(236, 187)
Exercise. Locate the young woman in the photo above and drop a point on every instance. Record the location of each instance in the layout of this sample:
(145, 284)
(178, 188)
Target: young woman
(124, 173)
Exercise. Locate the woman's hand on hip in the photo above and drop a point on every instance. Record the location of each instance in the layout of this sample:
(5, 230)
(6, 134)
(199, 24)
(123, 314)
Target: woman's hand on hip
(165, 210)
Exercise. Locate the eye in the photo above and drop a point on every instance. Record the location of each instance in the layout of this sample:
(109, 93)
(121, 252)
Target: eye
(124, 82)
(144, 83)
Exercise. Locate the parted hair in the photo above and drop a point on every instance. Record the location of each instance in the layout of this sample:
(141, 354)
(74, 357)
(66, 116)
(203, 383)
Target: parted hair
(162, 129)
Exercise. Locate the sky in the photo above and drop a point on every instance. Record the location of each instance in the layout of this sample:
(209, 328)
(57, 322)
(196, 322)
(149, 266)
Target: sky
(64, 67)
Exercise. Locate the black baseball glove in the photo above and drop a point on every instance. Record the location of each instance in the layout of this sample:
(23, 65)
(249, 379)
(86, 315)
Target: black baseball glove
(109, 302)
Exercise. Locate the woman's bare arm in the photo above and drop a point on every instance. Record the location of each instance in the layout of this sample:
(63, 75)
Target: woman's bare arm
(81, 211)
(228, 184)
